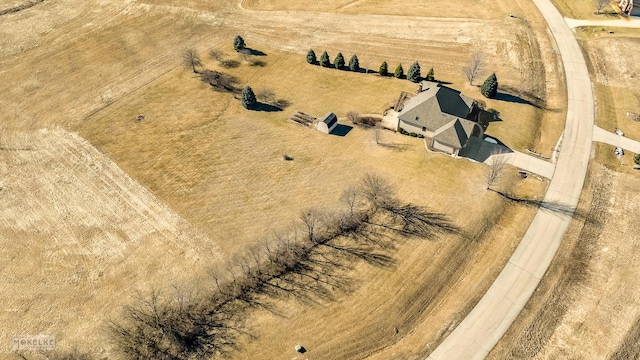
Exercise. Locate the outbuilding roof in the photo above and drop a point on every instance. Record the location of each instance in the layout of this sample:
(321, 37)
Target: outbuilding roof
(330, 119)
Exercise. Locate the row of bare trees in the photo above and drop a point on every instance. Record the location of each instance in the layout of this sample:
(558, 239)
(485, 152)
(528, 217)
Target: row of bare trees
(309, 262)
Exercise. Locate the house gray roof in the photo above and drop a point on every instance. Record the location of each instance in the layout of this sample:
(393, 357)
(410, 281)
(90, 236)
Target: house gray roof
(456, 133)
(330, 119)
(435, 106)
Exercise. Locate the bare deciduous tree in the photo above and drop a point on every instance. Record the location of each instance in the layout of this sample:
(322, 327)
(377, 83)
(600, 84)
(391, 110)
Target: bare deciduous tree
(600, 4)
(350, 196)
(310, 219)
(473, 69)
(217, 55)
(376, 190)
(192, 60)
(353, 116)
(266, 96)
(220, 81)
(493, 173)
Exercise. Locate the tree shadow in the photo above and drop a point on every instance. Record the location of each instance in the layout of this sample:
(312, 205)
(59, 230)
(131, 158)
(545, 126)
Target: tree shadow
(514, 99)
(550, 207)
(282, 103)
(257, 63)
(341, 130)
(219, 81)
(229, 63)
(255, 52)
(394, 146)
(266, 107)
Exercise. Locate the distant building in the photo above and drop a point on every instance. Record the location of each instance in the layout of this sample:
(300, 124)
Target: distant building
(630, 7)
(443, 115)
(328, 123)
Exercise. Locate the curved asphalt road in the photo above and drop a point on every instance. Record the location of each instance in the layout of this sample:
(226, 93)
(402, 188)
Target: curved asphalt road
(478, 333)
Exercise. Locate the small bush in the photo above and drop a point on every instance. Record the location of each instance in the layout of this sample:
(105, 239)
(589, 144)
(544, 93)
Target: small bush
(413, 134)
(421, 136)
(636, 159)
(400, 130)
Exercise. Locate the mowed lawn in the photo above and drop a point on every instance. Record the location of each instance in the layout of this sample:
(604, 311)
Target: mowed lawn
(222, 168)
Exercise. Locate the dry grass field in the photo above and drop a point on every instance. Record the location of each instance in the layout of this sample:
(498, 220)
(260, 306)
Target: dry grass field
(77, 233)
(612, 61)
(586, 306)
(466, 9)
(148, 203)
(579, 9)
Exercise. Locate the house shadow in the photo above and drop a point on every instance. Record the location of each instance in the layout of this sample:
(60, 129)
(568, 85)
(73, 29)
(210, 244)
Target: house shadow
(488, 116)
(481, 148)
(341, 130)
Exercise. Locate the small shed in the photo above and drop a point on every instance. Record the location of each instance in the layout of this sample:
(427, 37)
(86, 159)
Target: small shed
(328, 123)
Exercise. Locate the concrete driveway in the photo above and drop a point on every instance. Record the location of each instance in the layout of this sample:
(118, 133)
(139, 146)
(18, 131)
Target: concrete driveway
(483, 327)
(627, 23)
(484, 151)
(610, 138)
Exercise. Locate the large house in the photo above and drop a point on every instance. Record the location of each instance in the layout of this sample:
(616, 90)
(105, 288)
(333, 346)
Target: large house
(630, 7)
(443, 115)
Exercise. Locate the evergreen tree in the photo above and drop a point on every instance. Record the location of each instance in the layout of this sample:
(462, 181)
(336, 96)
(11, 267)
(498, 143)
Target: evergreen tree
(414, 72)
(311, 57)
(490, 87)
(399, 73)
(324, 59)
(354, 64)
(431, 75)
(384, 69)
(248, 98)
(339, 61)
(238, 43)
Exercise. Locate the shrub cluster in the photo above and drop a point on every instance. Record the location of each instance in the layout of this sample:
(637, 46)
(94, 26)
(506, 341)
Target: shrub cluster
(412, 134)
